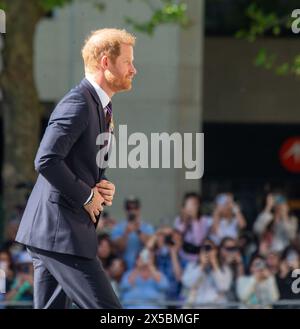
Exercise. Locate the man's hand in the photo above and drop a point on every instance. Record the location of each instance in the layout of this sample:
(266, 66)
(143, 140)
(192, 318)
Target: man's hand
(95, 206)
(107, 191)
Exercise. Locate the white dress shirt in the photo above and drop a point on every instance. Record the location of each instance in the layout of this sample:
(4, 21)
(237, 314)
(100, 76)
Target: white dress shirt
(104, 98)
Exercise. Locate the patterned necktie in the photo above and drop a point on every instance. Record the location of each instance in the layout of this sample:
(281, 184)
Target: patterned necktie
(108, 126)
(108, 116)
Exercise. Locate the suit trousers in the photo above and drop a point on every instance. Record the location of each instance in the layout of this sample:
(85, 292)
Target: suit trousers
(60, 279)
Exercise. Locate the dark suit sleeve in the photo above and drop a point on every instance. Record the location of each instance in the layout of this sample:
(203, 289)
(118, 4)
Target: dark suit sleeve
(104, 177)
(66, 124)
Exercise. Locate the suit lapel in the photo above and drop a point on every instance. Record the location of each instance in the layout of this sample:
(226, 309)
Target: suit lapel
(95, 101)
(100, 110)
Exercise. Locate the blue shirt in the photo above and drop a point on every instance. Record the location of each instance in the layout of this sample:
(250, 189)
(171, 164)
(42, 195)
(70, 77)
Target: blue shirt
(134, 244)
(143, 291)
(164, 265)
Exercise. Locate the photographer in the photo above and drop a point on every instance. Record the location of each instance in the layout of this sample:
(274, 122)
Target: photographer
(259, 288)
(276, 215)
(228, 219)
(206, 281)
(230, 256)
(144, 283)
(193, 226)
(131, 235)
(166, 244)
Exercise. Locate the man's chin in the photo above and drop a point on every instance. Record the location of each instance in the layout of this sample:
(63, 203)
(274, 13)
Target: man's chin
(128, 84)
(129, 87)
(126, 87)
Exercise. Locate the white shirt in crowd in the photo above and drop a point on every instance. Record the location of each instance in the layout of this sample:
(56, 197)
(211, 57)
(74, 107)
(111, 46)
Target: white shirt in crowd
(206, 287)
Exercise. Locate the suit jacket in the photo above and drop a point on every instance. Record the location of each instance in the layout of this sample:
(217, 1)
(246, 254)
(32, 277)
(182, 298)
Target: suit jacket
(54, 218)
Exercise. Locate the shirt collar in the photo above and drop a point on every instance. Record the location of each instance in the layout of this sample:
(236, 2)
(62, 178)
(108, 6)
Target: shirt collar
(104, 98)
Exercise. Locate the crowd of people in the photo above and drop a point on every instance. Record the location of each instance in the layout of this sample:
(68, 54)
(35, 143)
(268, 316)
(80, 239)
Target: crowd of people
(200, 260)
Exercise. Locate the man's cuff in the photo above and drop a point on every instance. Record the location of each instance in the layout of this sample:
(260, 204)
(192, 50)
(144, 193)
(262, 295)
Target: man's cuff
(89, 198)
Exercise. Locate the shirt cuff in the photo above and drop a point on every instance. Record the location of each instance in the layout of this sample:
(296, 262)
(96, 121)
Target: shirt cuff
(89, 198)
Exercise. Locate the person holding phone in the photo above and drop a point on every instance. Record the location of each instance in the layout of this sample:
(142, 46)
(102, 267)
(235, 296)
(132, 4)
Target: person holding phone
(144, 283)
(166, 244)
(131, 234)
(230, 256)
(277, 219)
(258, 288)
(193, 225)
(207, 280)
(228, 219)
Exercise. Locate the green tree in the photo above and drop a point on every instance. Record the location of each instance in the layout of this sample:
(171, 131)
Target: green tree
(271, 18)
(22, 110)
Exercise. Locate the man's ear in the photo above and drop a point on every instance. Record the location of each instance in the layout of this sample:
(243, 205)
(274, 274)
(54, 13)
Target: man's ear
(104, 62)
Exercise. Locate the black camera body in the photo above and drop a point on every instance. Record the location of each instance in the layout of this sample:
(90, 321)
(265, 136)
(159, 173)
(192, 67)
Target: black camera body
(169, 240)
(131, 217)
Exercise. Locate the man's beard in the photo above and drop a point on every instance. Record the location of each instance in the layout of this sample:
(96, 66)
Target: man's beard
(116, 83)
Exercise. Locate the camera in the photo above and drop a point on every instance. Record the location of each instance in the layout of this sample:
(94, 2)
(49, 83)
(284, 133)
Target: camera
(169, 240)
(206, 248)
(132, 217)
(145, 256)
(260, 264)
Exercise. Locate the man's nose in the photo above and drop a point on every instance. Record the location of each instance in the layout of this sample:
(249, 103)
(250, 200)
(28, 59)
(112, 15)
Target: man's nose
(133, 70)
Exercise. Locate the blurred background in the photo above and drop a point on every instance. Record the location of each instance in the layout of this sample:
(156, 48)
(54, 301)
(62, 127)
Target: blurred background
(229, 69)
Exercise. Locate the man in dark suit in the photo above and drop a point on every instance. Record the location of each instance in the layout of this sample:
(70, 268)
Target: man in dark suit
(63, 210)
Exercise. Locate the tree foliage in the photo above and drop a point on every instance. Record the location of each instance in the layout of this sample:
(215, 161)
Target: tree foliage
(269, 23)
(169, 11)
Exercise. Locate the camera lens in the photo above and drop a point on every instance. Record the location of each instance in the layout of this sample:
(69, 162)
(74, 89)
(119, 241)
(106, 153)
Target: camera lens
(169, 240)
(206, 247)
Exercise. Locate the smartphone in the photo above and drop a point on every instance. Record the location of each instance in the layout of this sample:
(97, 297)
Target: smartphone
(145, 256)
